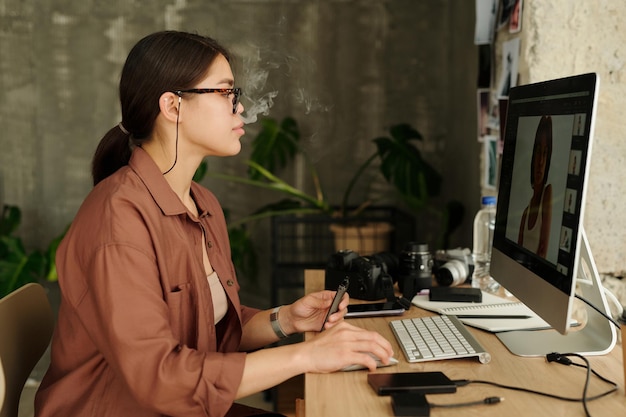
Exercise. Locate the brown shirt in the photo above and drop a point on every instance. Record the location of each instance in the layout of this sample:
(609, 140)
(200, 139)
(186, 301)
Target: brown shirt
(135, 333)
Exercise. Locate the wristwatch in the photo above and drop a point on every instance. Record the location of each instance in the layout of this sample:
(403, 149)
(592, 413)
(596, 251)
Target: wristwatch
(276, 324)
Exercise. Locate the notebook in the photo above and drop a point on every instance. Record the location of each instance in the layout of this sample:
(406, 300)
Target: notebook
(491, 305)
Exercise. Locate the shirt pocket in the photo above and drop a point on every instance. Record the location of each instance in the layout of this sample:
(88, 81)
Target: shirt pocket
(183, 307)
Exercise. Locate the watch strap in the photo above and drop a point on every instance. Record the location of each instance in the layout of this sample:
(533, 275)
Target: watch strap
(276, 324)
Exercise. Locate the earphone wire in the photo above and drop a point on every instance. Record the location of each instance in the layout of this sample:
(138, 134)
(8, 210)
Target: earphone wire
(176, 151)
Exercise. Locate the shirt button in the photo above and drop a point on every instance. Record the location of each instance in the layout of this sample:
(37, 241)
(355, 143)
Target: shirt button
(230, 282)
(210, 244)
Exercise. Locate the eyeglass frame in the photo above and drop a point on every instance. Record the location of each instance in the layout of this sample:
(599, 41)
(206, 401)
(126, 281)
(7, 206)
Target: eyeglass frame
(236, 92)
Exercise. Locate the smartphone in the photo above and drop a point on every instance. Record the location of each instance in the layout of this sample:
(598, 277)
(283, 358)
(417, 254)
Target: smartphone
(341, 290)
(422, 382)
(389, 308)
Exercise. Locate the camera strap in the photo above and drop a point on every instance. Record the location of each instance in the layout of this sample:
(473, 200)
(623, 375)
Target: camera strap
(390, 295)
(404, 302)
(387, 284)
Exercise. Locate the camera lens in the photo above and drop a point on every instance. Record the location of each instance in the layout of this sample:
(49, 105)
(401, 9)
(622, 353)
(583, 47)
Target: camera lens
(452, 273)
(415, 265)
(389, 262)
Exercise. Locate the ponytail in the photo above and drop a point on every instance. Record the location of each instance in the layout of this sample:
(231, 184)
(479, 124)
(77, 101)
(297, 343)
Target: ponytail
(113, 152)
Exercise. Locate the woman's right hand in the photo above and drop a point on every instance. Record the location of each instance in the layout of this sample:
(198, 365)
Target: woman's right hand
(335, 348)
(344, 345)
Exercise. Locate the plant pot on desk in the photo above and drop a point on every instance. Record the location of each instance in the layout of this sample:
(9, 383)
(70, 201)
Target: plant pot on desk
(364, 239)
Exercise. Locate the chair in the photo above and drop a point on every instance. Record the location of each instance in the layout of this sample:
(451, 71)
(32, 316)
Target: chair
(26, 324)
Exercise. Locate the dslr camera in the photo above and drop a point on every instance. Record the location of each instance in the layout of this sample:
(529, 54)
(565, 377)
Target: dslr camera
(453, 267)
(370, 276)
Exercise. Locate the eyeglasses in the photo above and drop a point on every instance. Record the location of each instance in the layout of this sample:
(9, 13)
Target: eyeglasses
(236, 92)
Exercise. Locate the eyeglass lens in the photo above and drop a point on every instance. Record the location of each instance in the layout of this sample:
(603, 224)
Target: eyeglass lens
(236, 95)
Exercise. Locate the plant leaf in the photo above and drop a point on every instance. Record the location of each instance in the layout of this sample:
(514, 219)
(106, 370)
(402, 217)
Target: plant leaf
(200, 172)
(16, 268)
(51, 252)
(275, 145)
(11, 249)
(452, 218)
(404, 132)
(243, 252)
(10, 220)
(403, 166)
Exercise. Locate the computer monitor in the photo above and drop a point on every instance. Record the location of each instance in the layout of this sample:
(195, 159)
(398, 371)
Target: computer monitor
(540, 250)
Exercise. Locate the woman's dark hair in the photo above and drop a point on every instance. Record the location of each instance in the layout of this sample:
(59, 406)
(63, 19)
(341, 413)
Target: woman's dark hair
(160, 62)
(544, 129)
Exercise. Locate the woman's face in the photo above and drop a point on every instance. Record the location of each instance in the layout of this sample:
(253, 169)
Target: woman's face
(207, 120)
(541, 160)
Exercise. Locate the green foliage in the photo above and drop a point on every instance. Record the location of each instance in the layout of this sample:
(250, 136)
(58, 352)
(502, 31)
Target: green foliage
(200, 172)
(452, 218)
(243, 252)
(400, 162)
(403, 166)
(276, 145)
(273, 149)
(17, 266)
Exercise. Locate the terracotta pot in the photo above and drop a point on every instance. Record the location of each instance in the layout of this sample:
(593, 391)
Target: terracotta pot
(364, 239)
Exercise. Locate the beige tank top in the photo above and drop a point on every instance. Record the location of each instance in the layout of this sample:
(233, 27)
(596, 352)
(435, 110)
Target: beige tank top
(220, 303)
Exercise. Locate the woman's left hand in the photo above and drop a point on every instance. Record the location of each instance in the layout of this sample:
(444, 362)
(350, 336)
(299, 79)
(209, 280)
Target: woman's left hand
(308, 313)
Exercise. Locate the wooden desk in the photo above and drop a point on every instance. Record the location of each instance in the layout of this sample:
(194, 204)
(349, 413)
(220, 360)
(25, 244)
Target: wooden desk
(344, 394)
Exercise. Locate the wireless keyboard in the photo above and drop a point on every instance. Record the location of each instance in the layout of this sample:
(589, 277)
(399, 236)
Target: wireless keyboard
(435, 338)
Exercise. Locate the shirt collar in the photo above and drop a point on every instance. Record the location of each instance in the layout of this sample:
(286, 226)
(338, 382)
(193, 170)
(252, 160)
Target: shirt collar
(167, 200)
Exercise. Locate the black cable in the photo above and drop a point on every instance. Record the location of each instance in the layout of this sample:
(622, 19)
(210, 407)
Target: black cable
(563, 359)
(527, 390)
(587, 378)
(531, 391)
(598, 310)
(176, 154)
(488, 400)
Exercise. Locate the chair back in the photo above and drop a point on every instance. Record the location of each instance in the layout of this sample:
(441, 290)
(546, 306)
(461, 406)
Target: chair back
(26, 325)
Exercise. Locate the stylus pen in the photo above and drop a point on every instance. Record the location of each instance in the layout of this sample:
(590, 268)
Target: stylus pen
(496, 316)
(343, 287)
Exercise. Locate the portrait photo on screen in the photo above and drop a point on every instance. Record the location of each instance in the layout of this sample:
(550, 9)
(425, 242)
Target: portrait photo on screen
(556, 163)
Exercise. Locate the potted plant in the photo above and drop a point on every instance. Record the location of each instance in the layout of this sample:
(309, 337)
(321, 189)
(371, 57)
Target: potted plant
(399, 162)
(17, 266)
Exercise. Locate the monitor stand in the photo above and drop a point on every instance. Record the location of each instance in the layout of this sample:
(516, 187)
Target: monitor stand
(597, 337)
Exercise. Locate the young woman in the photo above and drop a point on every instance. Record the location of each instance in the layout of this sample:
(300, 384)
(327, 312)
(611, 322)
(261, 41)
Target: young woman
(150, 322)
(534, 231)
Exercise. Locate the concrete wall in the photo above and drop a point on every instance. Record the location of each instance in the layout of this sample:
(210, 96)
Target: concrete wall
(561, 38)
(344, 69)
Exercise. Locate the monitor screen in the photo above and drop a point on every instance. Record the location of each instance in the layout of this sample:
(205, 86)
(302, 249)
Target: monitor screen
(538, 235)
